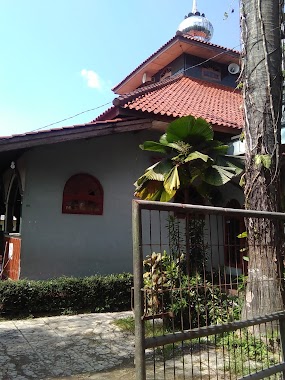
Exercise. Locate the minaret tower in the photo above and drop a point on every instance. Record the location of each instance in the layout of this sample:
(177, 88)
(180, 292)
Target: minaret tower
(197, 25)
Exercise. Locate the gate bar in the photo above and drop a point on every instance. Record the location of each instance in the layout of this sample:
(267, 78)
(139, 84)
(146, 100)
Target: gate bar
(264, 373)
(161, 206)
(210, 330)
(282, 338)
(140, 368)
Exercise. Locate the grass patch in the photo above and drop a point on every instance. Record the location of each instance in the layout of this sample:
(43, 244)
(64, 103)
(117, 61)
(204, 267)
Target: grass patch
(126, 324)
(248, 353)
(151, 328)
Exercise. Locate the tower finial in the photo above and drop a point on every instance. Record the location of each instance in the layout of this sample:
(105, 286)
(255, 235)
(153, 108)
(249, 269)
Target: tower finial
(196, 25)
(194, 8)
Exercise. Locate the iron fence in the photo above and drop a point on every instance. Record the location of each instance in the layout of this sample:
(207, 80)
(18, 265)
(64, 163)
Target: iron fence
(194, 279)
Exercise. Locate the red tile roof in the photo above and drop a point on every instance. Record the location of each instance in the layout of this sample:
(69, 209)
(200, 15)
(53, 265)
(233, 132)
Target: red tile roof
(109, 114)
(181, 96)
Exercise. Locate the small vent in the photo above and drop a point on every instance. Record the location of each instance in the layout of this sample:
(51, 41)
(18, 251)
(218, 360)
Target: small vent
(211, 74)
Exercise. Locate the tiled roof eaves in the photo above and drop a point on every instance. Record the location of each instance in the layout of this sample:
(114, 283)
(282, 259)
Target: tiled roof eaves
(123, 99)
(179, 36)
(165, 100)
(214, 121)
(110, 113)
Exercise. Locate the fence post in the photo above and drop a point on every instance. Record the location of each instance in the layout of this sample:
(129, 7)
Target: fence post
(282, 338)
(140, 369)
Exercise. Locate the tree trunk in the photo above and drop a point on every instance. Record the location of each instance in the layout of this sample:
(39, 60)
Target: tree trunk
(262, 88)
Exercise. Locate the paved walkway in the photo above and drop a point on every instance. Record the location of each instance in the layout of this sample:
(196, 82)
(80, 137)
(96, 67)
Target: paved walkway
(90, 346)
(73, 347)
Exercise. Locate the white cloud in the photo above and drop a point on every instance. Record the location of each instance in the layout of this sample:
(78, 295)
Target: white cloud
(92, 78)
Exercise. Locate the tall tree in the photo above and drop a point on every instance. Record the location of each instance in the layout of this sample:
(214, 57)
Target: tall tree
(262, 89)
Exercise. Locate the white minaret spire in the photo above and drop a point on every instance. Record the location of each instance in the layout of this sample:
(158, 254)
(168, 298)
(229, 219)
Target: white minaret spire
(196, 25)
(194, 8)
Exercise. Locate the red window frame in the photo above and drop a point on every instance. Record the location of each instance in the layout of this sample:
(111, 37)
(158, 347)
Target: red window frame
(82, 194)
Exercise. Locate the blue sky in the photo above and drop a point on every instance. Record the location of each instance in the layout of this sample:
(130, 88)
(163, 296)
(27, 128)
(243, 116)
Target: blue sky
(62, 57)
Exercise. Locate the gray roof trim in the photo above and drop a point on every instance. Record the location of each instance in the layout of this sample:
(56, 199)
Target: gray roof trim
(30, 140)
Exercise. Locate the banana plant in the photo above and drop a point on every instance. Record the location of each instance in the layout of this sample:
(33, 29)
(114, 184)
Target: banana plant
(191, 159)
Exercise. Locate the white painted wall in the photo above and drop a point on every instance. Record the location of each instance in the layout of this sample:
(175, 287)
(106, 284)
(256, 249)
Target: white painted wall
(53, 243)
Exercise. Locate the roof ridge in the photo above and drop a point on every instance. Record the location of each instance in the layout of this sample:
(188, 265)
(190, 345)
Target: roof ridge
(123, 99)
(215, 84)
(102, 115)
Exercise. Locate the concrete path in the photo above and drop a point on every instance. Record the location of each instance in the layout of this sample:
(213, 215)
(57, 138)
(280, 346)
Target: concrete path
(90, 346)
(74, 347)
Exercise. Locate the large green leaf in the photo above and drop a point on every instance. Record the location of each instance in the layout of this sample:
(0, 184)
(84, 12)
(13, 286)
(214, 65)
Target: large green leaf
(172, 182)
(150, 185)
(217, 147)
(197, 156)
(199, 161)
(232, 162)
(164, 147)
(217, 175)
(189, 129)
(150, 191)
(156, 172)
(165, 197)
(176, 147)
(195, 173)
(163, 140)
(154, 147)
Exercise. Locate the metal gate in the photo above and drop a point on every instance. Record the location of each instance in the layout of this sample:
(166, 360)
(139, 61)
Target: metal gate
(190, 277)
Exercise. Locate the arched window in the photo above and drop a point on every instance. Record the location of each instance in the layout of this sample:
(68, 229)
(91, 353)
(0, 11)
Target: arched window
(82, 194)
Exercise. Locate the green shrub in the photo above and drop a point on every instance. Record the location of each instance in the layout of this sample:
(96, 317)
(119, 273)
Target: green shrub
(190, 301)
(248, 352)
(94, 294)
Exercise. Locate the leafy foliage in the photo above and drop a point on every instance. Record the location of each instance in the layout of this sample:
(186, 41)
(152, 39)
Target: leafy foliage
(247, 352)
(195, 229)
(66, 295)
(193, 159)
(128, 325)
(190, 301)
(263, 160)
(182, 288)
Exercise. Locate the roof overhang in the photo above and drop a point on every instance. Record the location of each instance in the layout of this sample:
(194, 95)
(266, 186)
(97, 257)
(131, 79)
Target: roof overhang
(78, 132)
(169, 52)
(12, 147)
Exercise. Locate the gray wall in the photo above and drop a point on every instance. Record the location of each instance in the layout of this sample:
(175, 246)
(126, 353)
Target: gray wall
(53, 243)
